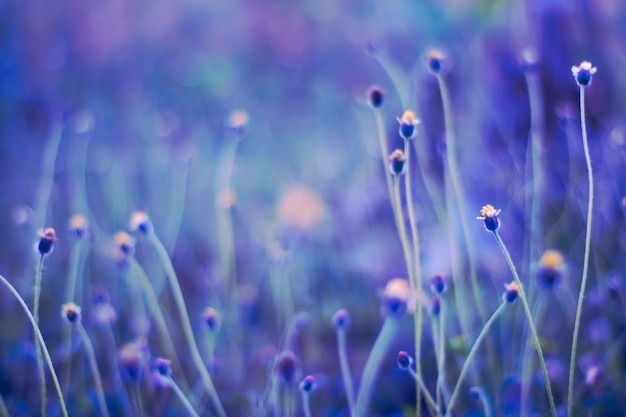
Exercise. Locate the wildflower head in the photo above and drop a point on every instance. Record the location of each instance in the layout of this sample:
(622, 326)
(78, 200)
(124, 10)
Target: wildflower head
(490, 216)
(341, 319)
(78, 226)
(163, 367)
(125, 243)
(308, 384)
(286, 366)
(583, 72)
(47, 237)
(71, 313)
(434, 59)
(140, 222)
(613, 288)
(404, 360)
(396, 297)
(375, 97)
(438, 284)
(397, 162)
(132, 358)
(529, 59)
(435, 306)
(211, 319)
(238, 121)
(408, 123)
(511, 291)
(102, 311)
(551, 267)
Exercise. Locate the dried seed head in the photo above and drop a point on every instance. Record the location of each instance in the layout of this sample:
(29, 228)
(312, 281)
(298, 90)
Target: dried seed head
(375, 97)
(125, 243)
(408, 123)
(78, 226)
(511, 292)
(286, 366)
(238, 121)
(163, 366)
(132, 358)
(341, 319)
(404, 360)
(140, 222)
(308, 384)
(529, 59)
(434, 59)
(438, 284)
(47, 237)
(71, 313)
(397, 162)
(490, 216)
(211, 319)
(396, 298)
(551, 267)
(583, 72)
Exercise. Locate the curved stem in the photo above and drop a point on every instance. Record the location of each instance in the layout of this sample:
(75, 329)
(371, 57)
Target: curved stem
(345, 368)
(402, 229)
(456, 185)
(528, 362)
(42, 374)
(427, 396)
(184, 317)
(306, 406)
(442, 355)
(531, 324)
(182, 397)
(471, 355)
(416, 283)
(70, 292)
(39, 338)
(372, 365)
(154, 311)
(97, 379)
(4, 412)
(579, 308)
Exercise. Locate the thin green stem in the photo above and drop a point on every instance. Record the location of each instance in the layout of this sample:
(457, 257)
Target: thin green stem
(484, 401)
(39, 339)
(372, 365)
(182, 397)
(402, 229)
(427, 396)
(535, 234)
(384, 153)
(97, 379)
(154, 311)
(442, 355)
(458, 191)
(306, 406)
(46, 181)
(135, 393)
(528, 362)
(4, 412)
(345, 368)
(579, 308)
(42, 374)
(70, 291)
(531, 324)
(470, 356)
(115, 369)
(417, 272)
(184, 317)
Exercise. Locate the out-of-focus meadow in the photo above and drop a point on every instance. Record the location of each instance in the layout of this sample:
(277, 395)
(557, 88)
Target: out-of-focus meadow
(242, 129)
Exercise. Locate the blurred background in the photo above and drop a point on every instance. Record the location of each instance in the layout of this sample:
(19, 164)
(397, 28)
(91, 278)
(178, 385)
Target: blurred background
(242, 129)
